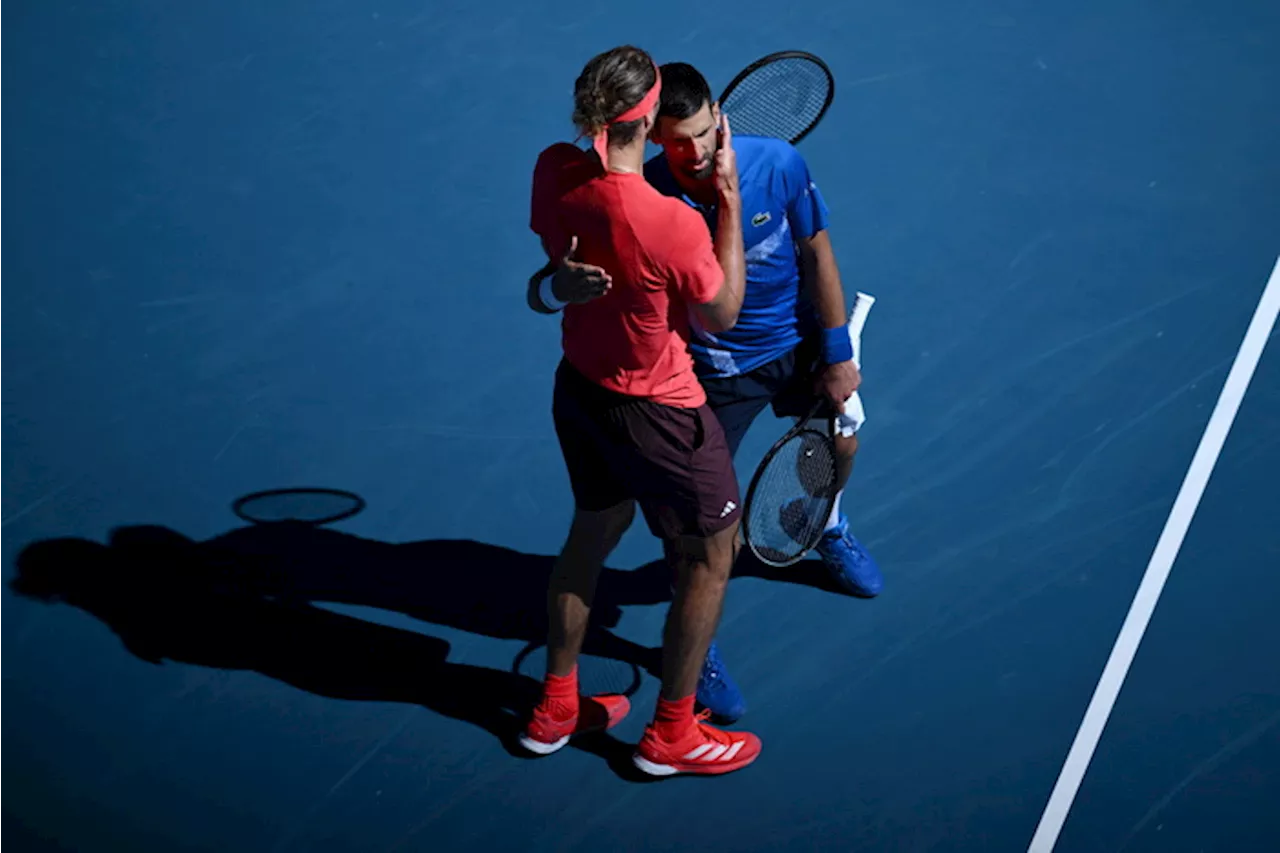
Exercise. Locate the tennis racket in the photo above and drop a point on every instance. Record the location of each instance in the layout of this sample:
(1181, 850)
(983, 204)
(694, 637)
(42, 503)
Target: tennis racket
(794, 487)
(783, 95)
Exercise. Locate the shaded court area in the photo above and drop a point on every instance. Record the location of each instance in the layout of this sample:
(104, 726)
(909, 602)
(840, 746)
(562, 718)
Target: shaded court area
(254, 247)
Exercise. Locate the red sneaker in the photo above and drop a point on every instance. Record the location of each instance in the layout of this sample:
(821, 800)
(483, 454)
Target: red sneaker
(545, 734)
(701, 749)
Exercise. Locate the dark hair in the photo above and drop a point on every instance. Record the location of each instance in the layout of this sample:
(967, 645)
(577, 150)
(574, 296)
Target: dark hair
(684, 91)
(610, 84)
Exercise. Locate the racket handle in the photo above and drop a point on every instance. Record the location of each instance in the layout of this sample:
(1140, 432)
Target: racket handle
(862, 303)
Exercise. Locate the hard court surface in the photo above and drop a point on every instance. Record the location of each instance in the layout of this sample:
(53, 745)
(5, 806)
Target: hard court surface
(255, 246)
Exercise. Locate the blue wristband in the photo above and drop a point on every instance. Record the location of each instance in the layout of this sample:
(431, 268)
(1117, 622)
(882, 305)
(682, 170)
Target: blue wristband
(836, 345)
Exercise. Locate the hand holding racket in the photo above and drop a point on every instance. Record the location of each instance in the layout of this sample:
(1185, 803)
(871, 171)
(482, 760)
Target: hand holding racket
(794, 487)
(837, 382)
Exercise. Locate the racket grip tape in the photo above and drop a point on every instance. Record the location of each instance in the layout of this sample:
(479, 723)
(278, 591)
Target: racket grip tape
(862, 303)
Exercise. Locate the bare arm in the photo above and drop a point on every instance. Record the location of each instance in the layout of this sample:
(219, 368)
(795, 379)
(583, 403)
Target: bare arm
(721, 313)
(839, 377)
(822, 278)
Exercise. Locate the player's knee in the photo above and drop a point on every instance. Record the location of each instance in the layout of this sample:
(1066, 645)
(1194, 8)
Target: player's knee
(711, 555)
(683, 551)
(601, 529)
(620, 519)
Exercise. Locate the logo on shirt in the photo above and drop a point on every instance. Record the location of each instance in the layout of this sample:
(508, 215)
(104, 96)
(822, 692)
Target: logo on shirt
(761, 218)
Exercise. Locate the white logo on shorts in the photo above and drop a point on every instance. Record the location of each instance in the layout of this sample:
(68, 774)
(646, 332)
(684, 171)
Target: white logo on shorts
(728, 508)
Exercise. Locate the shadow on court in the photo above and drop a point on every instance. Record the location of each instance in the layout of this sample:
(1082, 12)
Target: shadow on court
(245, 600)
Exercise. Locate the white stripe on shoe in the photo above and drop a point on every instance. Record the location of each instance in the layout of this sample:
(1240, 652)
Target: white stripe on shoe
(697, 752)
(705, 753)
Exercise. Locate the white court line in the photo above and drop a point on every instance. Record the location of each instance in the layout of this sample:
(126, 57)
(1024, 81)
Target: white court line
(1144, 603)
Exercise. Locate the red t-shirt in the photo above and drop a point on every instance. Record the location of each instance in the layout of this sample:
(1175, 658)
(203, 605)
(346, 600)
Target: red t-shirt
(634, 339)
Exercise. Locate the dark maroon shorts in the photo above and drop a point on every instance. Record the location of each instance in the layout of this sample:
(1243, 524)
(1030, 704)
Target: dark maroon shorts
(674, 462)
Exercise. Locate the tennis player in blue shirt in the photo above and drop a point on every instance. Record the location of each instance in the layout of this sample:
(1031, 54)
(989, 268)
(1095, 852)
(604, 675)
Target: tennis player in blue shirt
(791, 342)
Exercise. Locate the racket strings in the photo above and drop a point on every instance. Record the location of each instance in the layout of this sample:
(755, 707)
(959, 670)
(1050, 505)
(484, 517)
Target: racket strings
(793, 498)
(780, 99)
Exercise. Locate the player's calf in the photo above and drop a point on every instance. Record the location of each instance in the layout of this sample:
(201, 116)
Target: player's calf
(854, 569)
(562, 713)
(851, 566)
(676, 741)
(717, 692)
(846, 450)
(572, 586)
(702, 567)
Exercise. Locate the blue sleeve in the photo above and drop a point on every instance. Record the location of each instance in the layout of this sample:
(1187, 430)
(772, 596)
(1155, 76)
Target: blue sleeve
(806, 210)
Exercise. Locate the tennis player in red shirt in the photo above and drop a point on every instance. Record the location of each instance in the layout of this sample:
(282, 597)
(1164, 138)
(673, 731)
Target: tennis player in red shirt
(631, 416)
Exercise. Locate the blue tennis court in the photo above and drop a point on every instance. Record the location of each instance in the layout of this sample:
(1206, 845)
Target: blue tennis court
(264, 246)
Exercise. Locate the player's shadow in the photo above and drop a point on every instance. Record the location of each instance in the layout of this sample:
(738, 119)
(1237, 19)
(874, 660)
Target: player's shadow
(245, 599)
(459, 583)
(168, 597)
(471, 586)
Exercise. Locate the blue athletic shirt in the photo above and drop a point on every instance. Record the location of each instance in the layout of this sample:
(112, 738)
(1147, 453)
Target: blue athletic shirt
(780, 206)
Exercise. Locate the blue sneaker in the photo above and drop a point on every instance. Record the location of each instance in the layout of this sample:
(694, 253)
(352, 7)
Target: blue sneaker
(717, 692)
(849, 563)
